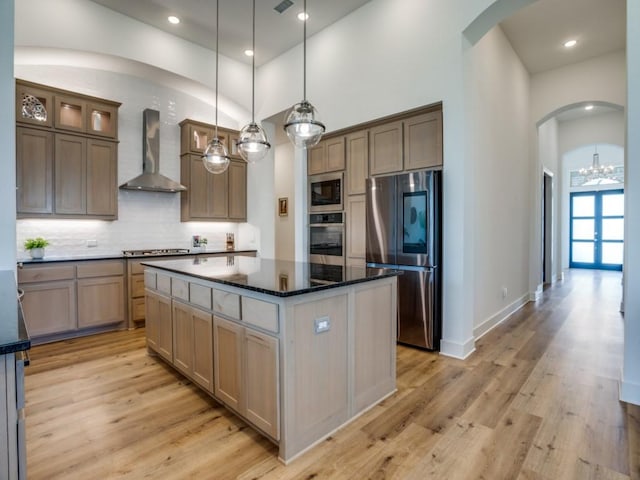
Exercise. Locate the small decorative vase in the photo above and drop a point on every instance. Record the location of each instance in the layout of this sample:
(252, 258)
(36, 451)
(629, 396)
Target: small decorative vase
(36, 253)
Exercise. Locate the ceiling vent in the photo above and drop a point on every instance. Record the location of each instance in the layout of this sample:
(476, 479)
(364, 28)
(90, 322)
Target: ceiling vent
(283, 5)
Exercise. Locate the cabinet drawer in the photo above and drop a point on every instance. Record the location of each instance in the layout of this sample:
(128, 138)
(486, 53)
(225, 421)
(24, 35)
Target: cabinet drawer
(137, 285)
(137, 309)
(200, 295)
(227, 304)
(135, 266)
(260, 314)
(45, 274)
(100, 269)
(180, 289)
(163, 283)
(150, 280)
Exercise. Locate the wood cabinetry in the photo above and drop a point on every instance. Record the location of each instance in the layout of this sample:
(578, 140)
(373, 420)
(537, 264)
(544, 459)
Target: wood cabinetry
(423, 141)
(159, 327)
(73, 298)
(357, 145)
(227, 358)
(356, 231)
(327, 156)
(209, 197)
(385, 148)
(66, 167)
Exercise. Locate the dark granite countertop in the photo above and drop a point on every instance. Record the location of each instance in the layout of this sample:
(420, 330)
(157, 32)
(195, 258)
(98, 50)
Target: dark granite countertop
(118, 255)
(13, 333)
(272, 277)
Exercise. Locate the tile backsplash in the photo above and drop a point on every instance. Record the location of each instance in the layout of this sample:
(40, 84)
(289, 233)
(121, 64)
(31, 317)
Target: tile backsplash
(145, 219)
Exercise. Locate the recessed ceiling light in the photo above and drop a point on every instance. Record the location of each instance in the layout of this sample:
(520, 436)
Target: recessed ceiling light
(248, 52)
(589, 107)
(570, 43)
(173, 19)
(302, 16)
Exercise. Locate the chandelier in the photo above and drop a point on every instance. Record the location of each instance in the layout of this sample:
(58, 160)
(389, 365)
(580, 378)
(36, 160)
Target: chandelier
(596, 172)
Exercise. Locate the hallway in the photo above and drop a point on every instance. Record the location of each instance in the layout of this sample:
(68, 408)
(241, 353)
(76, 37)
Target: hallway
(537, 400)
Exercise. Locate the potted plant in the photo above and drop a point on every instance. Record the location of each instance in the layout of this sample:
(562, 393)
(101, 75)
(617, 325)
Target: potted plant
(35, 246)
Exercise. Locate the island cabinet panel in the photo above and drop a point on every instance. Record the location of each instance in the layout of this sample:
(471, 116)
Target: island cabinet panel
(226, 304)
(385, 148)
(49, 307)
(182, 337)
(260, 314)
(261, 381)
(101, 301)
(374, 355)
(227, 351)
(159, 325)
(152, 314)
(34, 170)
(319, 397)
(202, 371)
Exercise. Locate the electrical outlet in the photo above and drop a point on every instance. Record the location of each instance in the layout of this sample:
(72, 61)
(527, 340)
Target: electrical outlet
(504, 292)
(92, 243)
(322, 324)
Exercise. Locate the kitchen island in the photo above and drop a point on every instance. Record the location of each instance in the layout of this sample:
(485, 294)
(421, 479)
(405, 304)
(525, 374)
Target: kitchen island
(295, 355)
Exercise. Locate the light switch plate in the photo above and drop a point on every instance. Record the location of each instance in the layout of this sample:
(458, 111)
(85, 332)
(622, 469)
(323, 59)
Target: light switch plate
(322, 324)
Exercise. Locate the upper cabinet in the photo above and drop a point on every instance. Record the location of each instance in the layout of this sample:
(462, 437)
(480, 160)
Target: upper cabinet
(66, 154)
(327, 156)
(385, 148)
(210, 197)
(423, 141)
(357, 145)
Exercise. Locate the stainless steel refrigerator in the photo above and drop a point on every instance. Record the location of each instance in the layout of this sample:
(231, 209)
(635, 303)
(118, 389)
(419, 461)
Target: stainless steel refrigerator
(404, 232)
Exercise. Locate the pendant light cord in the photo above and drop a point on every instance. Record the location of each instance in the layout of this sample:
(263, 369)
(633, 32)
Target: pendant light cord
(253, 67)
(217, 28)
(304, 52)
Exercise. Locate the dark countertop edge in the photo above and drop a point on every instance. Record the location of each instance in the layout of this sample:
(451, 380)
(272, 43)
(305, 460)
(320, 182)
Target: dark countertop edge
(21, 344)
(115, 256)
(274, 293)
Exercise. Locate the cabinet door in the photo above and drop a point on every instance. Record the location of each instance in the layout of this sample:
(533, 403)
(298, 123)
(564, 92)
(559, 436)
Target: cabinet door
(152, 315)
(423, 141)
(102, 178)
(49, 307)
(219, 195)
(70, 113)
(237, 191)
(70, 175)
(165, 328)
(34, 170)
(335, 154)
(100, 301)
(34, 105)
(200, 136)
(227, 356)
(357, 162)
(102, 119)
(385, 148)
(182, 337)
(261, 381)
(356, 226)
(316, 159)
(202, 348)
(197, 194)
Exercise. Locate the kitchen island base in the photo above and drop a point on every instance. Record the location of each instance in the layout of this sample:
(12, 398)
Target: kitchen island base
(296, 366)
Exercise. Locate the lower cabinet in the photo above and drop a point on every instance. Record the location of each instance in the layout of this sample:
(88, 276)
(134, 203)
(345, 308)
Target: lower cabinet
(101, 301)
(246, 373)
(49, 307)
(159, 327)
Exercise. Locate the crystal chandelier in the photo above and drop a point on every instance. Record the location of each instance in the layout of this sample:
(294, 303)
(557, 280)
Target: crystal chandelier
(215, 158)
(596, 172)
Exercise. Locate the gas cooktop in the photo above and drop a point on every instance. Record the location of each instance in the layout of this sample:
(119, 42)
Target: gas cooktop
(155, 251)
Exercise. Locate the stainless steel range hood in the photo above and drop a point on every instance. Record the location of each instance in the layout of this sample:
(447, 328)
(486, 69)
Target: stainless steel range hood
(151, 179)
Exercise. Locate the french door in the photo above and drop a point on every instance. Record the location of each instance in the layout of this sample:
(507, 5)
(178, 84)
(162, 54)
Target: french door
(597, 229)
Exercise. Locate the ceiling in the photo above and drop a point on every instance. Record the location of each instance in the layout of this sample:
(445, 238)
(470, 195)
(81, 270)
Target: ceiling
(275, 32)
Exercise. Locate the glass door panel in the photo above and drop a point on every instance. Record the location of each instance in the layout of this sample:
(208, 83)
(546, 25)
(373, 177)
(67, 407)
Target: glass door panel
(597, 229)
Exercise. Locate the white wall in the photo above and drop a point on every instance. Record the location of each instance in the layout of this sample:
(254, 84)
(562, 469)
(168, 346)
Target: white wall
(145, 219)
(630, 382)
(500, 116)
(284, 188)
(548, 153)
(7, 140)
(605, 128)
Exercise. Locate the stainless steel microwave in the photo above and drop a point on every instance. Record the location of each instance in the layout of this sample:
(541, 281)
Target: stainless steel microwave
(326, 192)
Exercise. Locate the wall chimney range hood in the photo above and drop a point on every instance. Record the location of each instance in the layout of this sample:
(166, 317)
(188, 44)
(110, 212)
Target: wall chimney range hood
(151, 180)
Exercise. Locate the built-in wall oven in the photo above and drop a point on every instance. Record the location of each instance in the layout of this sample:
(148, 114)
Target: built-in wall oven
(325, 192)
(326, 238)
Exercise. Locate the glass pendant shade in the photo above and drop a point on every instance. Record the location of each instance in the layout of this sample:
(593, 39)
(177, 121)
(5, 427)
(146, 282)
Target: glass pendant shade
(302, 125)
(253, 144)
(215, 158)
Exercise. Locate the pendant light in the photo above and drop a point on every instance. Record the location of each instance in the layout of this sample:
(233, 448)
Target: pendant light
(215, 158)
(301, 123)
(253, 144)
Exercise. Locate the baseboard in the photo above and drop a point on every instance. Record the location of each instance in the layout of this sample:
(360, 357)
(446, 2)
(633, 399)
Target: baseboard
(457, 350)
(537, 295)
(500, 317)
(629, 392)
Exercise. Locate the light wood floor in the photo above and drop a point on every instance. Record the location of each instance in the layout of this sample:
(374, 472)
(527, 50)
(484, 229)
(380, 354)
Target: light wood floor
(538, 400)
